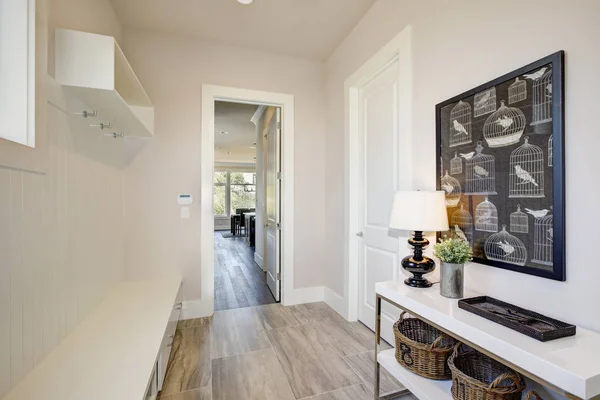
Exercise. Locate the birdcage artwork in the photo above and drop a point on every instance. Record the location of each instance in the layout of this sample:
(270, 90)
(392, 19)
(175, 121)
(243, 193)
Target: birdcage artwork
(486, 217)
(460, 124)
(543, 240)
(503, 246)
(485, 102)
(526, 177)
(550, 151)
(462, 223)
(519, 221)
(517, 91)
(452, 188)
(504, 127)
(480, 177)
(456, 165)
(541, 110)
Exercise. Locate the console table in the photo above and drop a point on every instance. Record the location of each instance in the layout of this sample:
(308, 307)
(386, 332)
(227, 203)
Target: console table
(570, 366)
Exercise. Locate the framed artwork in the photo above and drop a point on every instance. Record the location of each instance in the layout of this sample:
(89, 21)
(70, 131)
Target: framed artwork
(500, 155)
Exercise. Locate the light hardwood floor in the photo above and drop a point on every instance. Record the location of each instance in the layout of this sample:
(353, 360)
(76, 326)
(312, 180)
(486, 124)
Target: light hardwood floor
(239, 281)
(273, 352)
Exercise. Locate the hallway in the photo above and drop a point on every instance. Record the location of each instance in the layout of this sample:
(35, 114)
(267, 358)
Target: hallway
(239, 282)
(273, 352)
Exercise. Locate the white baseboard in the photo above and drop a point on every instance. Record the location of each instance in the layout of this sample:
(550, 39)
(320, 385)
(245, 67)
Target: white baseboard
(197, 309)
(259, 260)
(305, 295)
(336, 302)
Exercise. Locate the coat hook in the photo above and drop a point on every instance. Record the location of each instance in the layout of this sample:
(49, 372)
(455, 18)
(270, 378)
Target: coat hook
(115, 135)
(102, 125)
(88, 114)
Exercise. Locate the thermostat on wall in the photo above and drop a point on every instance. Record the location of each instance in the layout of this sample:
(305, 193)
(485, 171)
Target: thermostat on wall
(184, 199)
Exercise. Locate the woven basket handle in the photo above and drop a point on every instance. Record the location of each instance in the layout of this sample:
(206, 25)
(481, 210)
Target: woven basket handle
(515, 380)
(402, 315)
(437, 341)
(531, 394)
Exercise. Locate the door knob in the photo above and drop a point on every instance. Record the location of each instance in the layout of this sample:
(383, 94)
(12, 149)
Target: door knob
(360, 234)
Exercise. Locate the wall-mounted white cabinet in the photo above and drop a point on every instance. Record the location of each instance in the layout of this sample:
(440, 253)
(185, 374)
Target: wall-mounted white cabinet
(94, 69)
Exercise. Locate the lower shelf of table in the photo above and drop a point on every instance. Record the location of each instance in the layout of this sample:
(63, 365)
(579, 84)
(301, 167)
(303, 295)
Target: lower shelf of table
(422, 388)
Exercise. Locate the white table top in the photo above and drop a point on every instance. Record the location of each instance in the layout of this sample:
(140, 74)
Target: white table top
(111, 354)
(572, 363)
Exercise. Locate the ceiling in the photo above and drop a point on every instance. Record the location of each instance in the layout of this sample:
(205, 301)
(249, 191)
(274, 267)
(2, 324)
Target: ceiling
(310, 29)
(235, 146)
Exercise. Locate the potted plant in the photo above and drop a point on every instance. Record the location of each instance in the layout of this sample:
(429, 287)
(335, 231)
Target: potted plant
(453, 253)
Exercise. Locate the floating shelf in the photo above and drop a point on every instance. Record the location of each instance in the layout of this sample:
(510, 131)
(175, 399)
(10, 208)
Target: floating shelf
(94, 69)
(421, 388)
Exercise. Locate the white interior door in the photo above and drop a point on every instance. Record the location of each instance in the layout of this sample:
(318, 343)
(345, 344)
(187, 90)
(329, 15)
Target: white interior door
(378, 250)
(273, 195)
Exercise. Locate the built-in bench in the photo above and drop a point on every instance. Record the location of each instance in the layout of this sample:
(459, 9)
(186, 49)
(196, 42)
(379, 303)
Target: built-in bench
(119, 352)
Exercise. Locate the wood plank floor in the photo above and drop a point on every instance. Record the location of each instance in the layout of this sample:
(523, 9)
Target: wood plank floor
(239, 281)
(272, 352)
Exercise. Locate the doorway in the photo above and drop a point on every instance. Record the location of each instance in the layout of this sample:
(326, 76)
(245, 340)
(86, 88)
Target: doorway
(246, 250)
(379, 163)
(219, 201)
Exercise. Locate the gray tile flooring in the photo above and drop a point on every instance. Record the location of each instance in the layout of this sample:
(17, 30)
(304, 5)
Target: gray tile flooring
(239, 281)
(272, 352)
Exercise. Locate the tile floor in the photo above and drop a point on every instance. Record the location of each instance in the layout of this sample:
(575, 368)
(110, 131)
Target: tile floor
(272, 352)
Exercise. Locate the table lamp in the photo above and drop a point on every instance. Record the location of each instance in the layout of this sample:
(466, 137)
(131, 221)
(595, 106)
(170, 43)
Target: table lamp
(419, 211)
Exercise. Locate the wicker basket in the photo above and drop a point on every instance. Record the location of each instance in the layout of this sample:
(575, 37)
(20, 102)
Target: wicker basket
(423, 349)
(476, 376)
(533, 394)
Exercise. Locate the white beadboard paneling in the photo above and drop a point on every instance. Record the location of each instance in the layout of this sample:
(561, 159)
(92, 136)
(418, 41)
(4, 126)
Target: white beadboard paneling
(5, 269)
(16, 275)
(29, 227)
(60, 243)
(39, 271)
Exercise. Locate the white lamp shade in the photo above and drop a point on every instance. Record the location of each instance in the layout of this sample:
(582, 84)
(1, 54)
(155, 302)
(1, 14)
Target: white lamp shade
(419, 211)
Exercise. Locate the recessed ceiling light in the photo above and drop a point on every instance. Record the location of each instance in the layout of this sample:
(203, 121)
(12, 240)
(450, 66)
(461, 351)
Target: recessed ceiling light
(245, 1)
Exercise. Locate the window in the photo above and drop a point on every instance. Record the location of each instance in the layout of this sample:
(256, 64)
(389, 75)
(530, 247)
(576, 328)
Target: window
(17, 71)
(233, 190)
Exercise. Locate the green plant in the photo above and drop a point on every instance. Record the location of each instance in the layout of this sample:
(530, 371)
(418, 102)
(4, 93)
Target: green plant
(453, 250)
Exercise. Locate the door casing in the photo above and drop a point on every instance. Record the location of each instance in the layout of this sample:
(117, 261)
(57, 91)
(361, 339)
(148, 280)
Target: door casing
(397, 50)
(210, 94)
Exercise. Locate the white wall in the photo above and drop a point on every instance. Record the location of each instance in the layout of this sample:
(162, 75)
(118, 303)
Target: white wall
(173, 69)
(457, 46)
(60, 216)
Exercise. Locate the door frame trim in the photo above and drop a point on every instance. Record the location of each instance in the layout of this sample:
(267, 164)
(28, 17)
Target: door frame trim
(210, 94)
(398, 49)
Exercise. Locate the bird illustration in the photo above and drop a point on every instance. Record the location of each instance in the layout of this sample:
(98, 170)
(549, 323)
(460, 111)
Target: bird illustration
(536, 75)
(480, 171)
(448, 188)
(459, 128)
(538, 213)
(460, 233)
(549, 90)
(467, 156)
(506, 247)
(551, 234)
(481, 102)
(505, 122)
(524, 176)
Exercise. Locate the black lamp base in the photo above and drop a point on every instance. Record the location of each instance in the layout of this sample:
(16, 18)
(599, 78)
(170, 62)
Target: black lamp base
(418, 264)
(418, 282)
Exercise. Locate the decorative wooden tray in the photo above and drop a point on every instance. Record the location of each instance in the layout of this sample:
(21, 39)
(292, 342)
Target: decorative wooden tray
(527, 322)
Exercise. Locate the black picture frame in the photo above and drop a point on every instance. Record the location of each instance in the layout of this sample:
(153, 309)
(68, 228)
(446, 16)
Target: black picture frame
(554, 200)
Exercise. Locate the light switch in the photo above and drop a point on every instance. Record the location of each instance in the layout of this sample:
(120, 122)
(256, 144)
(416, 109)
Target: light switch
(185, 212)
